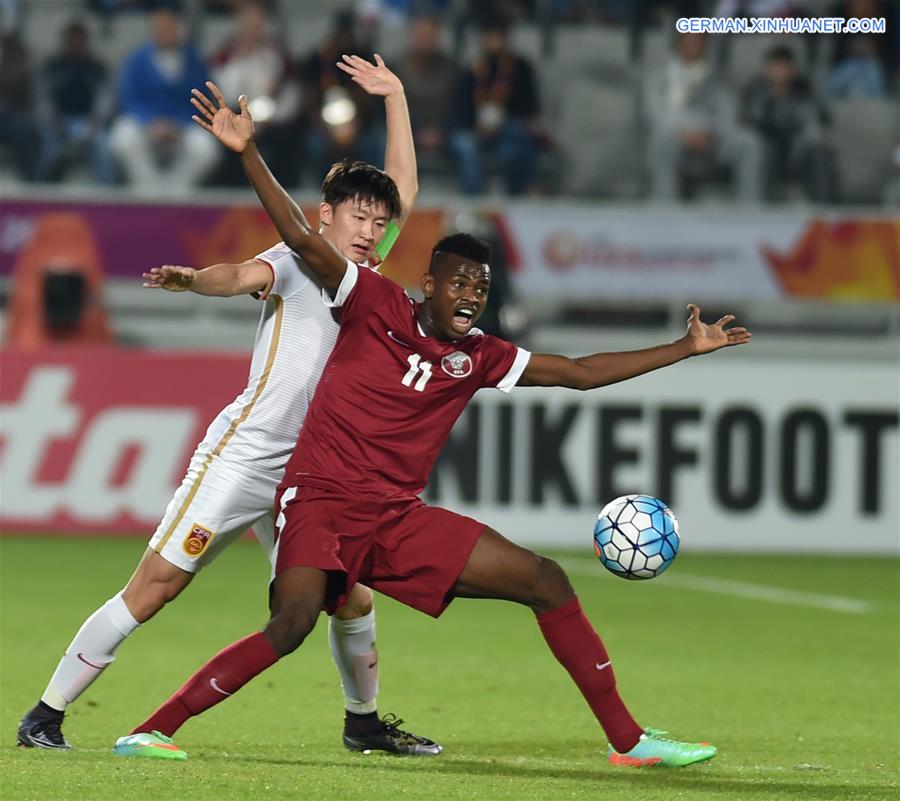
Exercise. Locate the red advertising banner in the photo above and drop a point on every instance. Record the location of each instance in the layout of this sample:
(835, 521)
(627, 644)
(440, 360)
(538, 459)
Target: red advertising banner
(129, 237)
(592, 253)
(95, 440)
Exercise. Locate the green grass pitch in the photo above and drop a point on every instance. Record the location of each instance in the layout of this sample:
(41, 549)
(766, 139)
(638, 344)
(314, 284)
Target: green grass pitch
(797, 687)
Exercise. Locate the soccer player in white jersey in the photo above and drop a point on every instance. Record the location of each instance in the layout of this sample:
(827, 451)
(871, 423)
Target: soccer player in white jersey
(232, 477)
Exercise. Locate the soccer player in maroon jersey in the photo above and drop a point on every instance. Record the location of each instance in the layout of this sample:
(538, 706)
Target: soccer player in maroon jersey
(348, 509)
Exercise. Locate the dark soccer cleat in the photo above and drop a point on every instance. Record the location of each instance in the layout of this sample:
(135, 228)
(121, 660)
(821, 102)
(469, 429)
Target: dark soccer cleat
(391, 738)
(41, 730)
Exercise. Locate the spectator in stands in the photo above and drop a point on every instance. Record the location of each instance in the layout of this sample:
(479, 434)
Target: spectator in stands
(498, 115)
(342, 120)
(781, 106)
(430, 79)
(693, 130)
(154, 140)
(19, 131)
(74, 108)
(860, 74)
(9, 15)
(254, 62)
(887, 45)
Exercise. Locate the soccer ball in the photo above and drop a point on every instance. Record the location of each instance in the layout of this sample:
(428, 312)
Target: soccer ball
(636, 537)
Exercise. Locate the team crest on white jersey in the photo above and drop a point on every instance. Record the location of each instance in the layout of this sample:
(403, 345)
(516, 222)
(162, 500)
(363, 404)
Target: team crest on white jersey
(457, 364)
(197, 540)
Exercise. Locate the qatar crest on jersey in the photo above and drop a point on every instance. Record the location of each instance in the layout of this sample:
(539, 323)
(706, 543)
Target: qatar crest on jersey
(457, 364)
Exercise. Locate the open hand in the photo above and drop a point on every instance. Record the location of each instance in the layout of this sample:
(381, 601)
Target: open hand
(376, 79)
(235, 131)
(705, 338)
(170, 277)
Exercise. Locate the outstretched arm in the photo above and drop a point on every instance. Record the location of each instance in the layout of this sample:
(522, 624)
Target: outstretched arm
(400, 152)
(601, 369)
(218, 280)
(235, 131)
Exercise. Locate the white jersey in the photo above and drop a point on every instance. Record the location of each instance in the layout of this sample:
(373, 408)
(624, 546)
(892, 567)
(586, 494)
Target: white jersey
(232, 477)
(296, 333)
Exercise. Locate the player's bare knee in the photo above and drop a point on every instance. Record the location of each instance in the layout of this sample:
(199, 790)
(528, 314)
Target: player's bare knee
(553, 588)
(145, 597)
(289, 627)
(154, 583)
(359, 603)
(143, 602)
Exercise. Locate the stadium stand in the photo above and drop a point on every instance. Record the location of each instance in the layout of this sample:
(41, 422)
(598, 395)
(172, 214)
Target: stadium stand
(865, 133)
(590, 76)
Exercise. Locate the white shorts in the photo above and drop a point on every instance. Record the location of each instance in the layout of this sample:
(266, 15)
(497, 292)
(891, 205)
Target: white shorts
(214, 505)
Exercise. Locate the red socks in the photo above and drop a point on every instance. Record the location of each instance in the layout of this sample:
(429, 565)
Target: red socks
(223, 675)
(567, 631)
(580, 651)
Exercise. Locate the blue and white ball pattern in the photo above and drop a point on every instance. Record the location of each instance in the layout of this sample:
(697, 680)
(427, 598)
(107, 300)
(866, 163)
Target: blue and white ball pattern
(636, 537)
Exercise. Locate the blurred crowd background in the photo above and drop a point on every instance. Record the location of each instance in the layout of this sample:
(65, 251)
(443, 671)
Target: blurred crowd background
(619, 168)
(587, 98)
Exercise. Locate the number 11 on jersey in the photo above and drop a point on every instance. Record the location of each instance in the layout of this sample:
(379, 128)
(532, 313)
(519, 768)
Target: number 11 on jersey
(416, 366)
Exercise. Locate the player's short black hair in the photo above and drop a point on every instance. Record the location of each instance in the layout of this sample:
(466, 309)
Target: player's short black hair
(357, 180)
(465, 245)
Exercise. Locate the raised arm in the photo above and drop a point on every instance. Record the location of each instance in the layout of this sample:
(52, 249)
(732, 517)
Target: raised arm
(400, 152)
(218, 280)
(601, 369)
(235, 131)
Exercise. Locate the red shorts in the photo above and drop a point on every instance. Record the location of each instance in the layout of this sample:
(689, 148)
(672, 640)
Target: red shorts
(403, 548)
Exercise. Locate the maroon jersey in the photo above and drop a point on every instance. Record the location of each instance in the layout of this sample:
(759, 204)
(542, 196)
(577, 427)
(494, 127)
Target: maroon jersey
(389, 394)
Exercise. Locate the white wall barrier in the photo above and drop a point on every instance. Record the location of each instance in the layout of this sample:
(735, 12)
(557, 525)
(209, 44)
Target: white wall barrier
(751, 455)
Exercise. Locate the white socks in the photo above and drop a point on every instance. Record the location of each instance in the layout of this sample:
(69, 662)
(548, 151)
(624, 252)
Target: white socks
(89, 653)
(353, 650)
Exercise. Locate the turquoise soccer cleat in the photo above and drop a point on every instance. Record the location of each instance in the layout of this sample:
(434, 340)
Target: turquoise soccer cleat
(154, 746)
(655, 750)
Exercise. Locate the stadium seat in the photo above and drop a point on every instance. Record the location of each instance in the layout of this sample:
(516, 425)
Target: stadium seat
(213, 32)
(42, 29)
(578, 49)
(655, 50)
(865, 134)
(597, 131)
(303, 26)
(119, 36)
(527, 41)
(745, 54)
